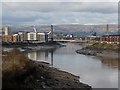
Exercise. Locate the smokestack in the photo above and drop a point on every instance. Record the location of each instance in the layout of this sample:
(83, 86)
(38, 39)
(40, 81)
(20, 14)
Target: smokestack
(51, 32)
(107, 29)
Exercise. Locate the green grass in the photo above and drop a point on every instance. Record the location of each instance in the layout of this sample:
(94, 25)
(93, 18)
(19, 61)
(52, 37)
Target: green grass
(104, 46)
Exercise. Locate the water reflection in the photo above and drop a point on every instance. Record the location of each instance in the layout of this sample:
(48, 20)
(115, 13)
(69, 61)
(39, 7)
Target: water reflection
(110, 62)
(97, 72)
(47, 56)
(52, 57)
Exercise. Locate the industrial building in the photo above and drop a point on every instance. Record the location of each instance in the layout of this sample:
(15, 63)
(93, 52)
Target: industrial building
(31, 36)
(27, 36)
(111, 39)
(24, 37)
(5, 30)
(20, 36)
(4, 39)
(8, 38)
(15, 38)
(41, 37)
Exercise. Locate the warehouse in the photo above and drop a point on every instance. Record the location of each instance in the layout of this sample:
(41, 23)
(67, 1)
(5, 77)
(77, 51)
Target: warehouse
(111, 39)
(31, 36)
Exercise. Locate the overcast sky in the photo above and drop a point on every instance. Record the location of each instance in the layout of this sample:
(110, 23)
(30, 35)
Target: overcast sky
(17, 13)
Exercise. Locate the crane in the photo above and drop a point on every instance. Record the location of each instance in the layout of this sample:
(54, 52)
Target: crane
(35, 30)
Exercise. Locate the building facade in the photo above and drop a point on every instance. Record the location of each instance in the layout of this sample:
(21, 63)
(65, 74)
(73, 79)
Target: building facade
(10, 38)
(31, 36)
(111, 39)
(15, 38)
(5, 30)
(41, 37)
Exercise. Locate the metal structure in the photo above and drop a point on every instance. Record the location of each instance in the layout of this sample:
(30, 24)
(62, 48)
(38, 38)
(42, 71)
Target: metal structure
(107, 29)
(51, 32)
(35, 30)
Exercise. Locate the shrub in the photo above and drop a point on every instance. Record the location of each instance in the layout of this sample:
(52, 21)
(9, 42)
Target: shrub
(14, 63)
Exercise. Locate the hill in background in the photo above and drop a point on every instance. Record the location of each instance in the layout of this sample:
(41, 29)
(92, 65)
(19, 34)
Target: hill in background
(76, 29)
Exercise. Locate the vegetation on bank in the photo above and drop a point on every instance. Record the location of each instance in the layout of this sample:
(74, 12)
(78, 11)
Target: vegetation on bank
(21, 73)
(14, 62)
(15, 69)
(104, 46)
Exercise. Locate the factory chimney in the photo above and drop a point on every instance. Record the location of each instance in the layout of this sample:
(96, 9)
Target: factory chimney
(107, 29)
(51, 32)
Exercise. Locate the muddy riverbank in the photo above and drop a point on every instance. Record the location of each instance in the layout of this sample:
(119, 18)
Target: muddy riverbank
(100, 51)
(54, 78)
(33, 47)
(43, 76)
(29, 74)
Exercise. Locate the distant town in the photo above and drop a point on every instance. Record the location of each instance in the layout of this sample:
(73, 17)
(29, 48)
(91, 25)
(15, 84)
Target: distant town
(39, 37)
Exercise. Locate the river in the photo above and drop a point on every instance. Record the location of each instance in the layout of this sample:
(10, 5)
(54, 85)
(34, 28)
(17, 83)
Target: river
(94, 71)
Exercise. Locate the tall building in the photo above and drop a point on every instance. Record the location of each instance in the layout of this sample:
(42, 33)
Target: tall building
(5, 30)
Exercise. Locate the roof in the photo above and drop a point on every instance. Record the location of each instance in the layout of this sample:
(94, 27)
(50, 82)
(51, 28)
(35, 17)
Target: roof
(111, 35)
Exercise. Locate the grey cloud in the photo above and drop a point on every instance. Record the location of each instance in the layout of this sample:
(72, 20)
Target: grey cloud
(65, 18)
(60, 0)
(59, 13)
(101, 7)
